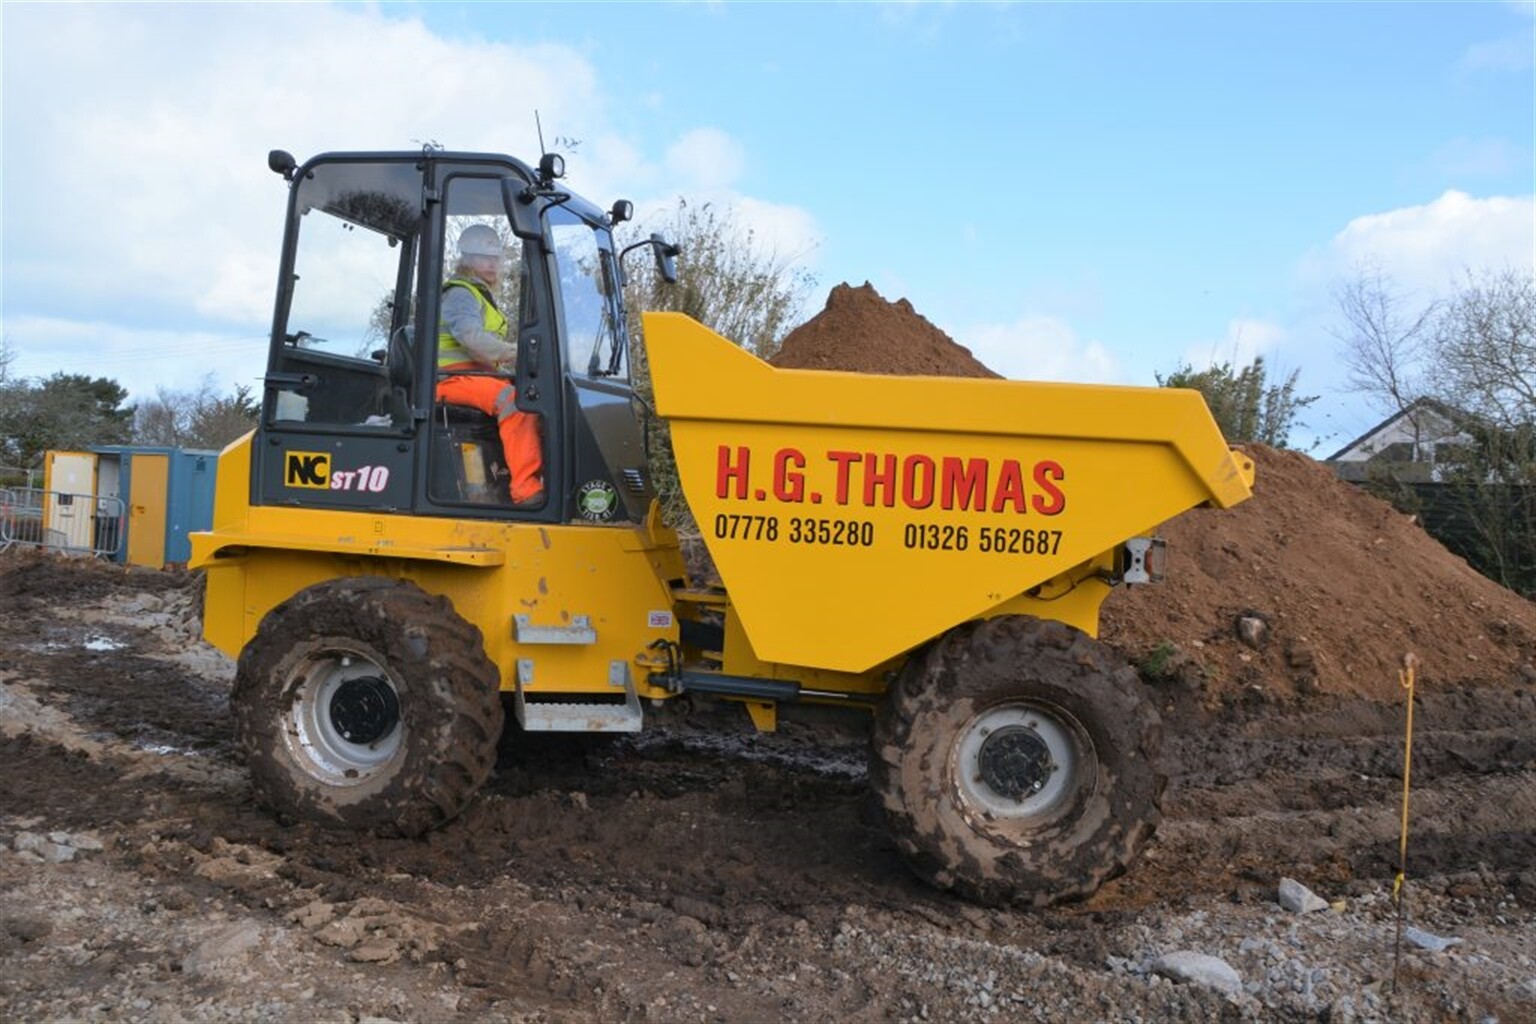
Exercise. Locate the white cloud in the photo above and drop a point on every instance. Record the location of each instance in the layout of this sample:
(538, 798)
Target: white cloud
(136, 186)
(786, 232)
(1512, 53)
(1427, 248)
(149, 152)
(1036, 347)
(706, 159)
(1245, 339)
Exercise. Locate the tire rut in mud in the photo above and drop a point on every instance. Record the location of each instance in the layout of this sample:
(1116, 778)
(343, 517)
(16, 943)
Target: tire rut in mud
(1317, 796)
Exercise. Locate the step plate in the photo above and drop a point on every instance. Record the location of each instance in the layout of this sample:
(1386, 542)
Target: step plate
(576, 715)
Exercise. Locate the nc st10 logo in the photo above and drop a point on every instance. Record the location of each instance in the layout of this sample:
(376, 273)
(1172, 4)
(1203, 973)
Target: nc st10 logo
(307, 469)
(313, 470)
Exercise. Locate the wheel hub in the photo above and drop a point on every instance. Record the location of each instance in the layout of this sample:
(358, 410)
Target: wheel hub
(364, 710)
(1015, 762)
(1021, 762)
(346, 722)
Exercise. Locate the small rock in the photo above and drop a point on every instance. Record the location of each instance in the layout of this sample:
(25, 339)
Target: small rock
(1252, 631)
(579, 800)
(1194, 968)
(86, 844)
(686, 906)
(375, 951)
(1424, 940)
(1298, 899)
(313, 915)
(226, 944)
(346, 933)
(48, 850)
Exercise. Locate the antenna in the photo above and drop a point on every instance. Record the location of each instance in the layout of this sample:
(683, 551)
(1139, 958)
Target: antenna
(539, 126)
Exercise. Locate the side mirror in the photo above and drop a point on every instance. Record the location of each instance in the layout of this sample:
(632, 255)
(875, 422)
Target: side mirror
(518, 197)
(666, 257)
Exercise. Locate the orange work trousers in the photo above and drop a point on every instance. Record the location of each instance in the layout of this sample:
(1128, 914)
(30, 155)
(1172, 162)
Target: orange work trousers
(519, 430)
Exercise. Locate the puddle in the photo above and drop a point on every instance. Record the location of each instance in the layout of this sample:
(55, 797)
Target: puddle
(102, 643)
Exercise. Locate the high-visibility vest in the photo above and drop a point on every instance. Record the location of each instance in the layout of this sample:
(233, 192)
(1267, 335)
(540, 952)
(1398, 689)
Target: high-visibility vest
(449, 352)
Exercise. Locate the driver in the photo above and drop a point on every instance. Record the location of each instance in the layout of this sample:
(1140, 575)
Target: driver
(472, 335)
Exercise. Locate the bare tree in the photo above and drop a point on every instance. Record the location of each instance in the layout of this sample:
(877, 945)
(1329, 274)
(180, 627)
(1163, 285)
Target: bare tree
(727, 280)
(1485, 347)
(1385, 339)
(1473, 358)
(195, 419)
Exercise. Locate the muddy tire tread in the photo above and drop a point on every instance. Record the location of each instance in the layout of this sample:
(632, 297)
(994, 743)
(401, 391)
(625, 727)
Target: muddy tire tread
(976, 664)
(451, 704)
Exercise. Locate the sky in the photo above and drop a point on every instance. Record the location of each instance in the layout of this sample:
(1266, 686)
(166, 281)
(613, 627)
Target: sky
(1096, 192)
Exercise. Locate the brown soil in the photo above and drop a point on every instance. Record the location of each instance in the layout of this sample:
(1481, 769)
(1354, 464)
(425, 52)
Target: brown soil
(860, 332)
(700, 872)
(1346, 586)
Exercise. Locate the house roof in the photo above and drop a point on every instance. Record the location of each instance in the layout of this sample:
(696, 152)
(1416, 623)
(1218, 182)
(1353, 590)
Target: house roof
(1448, 413)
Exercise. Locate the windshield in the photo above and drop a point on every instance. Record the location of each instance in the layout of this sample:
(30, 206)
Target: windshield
(588, 295)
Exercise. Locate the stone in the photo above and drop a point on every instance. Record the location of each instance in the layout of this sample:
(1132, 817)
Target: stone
(687, 906)
(86, 844)
(313, 915)
(226, 944)
(41, 846)
(1298, 899)
(375, 951)
(346, 933)
(1424, 940)
(1252, 631)
(1188, 967)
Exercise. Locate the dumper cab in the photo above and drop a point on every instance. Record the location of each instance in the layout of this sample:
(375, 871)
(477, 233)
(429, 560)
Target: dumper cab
(353, 412)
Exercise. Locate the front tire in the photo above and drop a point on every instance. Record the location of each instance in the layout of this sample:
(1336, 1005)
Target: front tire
(1015, 761)
(367, 703)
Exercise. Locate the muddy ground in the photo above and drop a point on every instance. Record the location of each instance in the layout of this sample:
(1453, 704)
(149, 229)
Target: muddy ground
(700, 872)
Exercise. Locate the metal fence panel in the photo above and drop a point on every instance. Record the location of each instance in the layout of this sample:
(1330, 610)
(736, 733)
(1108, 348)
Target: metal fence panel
(76, 524)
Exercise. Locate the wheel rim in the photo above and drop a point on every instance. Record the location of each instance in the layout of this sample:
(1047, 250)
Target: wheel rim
(1021, 766)
(345, 718)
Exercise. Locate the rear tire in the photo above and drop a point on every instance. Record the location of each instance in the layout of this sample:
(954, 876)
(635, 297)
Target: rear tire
(368, 703)
(1015, 761)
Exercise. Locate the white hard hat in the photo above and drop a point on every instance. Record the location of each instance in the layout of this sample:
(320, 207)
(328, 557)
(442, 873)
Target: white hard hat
(480, 240)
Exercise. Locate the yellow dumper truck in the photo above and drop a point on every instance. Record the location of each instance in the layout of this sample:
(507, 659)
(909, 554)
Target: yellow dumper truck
(932, 550)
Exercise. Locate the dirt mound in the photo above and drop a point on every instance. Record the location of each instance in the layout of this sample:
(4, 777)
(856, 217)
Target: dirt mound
(860, 332)
(1344, 584)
